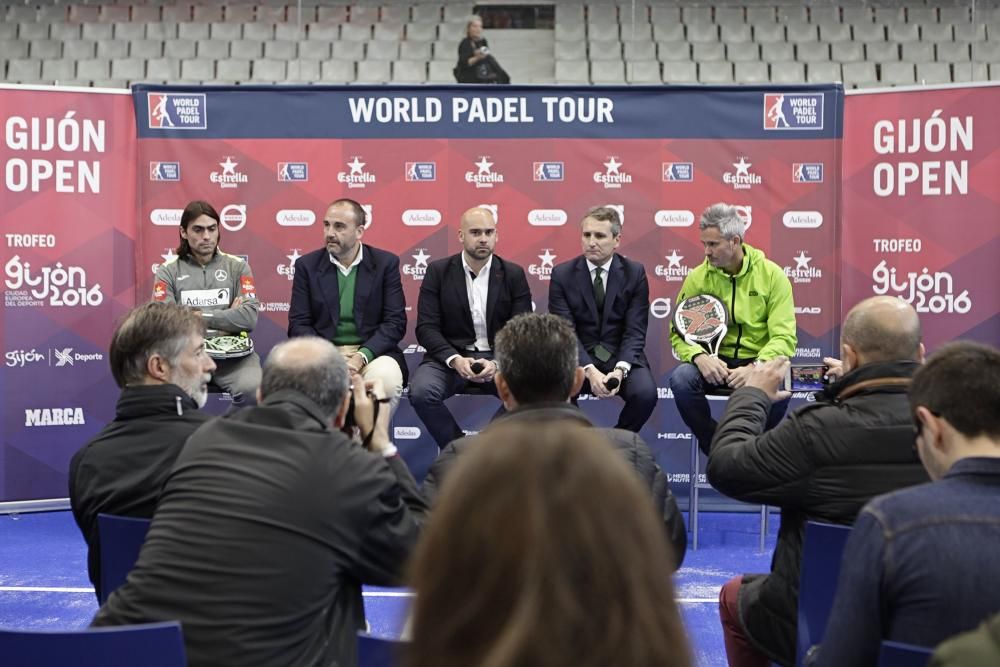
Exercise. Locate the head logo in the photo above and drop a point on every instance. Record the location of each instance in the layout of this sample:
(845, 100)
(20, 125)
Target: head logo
(293, 172)
(421, 171)
(288, 270)
(234, 217)
(54, 417)
(177, 111)
(164, 171)
(484, 177)
(357, 177)
(793, 111)
(678, 172)
(807, 172)
(543, 270)
(229, 178)
(614, 176)
(803, 273)
(674, 271)
(419, 267)
(547, 171)
(743, 178)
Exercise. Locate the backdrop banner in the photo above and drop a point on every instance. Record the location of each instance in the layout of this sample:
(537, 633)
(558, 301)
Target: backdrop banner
(67, 212)
(921, 215)
(271, 159)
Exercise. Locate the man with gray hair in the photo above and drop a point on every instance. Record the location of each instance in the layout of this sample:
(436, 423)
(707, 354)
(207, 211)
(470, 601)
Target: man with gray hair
(758, 299)
(605, 296)
(273, 518)
(158, 359)
(538, 375)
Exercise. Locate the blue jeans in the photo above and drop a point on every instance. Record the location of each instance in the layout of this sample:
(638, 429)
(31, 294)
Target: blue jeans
(689, 389)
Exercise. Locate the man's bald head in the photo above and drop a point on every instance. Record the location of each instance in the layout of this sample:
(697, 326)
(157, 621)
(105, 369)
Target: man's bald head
(311, 366)
(882, 328)
(478, 234)
(477, 215)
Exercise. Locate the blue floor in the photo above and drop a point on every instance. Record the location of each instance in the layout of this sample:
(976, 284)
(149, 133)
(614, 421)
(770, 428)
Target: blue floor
(44, 585)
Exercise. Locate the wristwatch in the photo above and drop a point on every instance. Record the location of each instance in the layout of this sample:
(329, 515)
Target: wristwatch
(624, 370)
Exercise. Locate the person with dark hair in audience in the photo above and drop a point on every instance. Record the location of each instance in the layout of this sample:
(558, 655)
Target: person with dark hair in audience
(220, 288)
(921, 563)
(543, 549)
(273, 518)
(822, 462)
(475, 62)
(605, 296)
(538, 375)
(464, 300)
(158, 359)
(350, 293)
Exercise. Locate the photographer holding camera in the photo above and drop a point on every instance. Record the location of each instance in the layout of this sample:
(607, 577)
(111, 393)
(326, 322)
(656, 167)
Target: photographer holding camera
(273, 518)
(475, 64)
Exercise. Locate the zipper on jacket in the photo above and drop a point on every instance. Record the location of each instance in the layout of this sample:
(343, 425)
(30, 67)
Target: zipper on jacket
(739, 327)
(180, 408)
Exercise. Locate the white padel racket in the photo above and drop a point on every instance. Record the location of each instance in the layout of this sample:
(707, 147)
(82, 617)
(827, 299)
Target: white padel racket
(702, 319)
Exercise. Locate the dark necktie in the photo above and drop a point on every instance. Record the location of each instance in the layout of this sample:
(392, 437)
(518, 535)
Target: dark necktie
(599, 289)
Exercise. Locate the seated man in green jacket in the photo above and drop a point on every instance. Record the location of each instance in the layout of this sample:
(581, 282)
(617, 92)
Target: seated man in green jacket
(758, 299)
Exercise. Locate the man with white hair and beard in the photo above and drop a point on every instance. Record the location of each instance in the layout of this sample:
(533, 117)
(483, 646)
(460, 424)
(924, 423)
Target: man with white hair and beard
(158, 359)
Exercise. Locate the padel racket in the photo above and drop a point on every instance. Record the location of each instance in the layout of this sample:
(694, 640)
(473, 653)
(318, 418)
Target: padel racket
(229, 347)
(702, 319)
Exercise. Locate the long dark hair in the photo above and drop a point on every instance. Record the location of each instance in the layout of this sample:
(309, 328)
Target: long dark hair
(544, 550)
(192, 212)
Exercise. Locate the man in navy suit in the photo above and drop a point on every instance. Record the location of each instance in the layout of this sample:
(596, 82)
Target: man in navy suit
(351, 294)
(464, 300)
(606, 298)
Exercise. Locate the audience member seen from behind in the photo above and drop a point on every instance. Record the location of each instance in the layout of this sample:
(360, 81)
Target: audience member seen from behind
(824, 461)
(543, 550)
(475, 63)
(537, 357)
(272, 519)
(158, 359)
(979, 648)
(921, 563)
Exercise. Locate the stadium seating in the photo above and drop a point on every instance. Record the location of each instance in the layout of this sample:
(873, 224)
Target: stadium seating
(881, 43)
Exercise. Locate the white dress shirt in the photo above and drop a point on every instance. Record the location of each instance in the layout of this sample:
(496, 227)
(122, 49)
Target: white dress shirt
(345, 270)
(477, 290)
(605, 275)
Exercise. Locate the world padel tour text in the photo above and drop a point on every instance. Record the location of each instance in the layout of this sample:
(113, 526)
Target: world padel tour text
(482, 109)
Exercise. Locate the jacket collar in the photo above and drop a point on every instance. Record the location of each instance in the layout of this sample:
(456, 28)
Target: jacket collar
(297, 404)
(147, 400)
(750, 257)
(975, 465)
(546, 410)
(892, 376)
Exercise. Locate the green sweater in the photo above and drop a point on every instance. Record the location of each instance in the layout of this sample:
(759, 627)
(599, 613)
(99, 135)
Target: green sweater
(347, 329)
(758, 301)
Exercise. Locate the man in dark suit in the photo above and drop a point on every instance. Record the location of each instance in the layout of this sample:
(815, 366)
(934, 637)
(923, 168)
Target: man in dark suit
(606, 298)
(351, 295)
(464, 300)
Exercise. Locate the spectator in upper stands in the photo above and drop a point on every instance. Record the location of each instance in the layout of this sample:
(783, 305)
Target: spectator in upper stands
(921, 563)
(272, 519)
(158, 359)
(475, 62)
(536, 354)
(544, 550)
(823, 462)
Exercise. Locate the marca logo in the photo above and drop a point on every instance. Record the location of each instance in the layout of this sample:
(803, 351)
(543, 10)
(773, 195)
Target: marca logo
(678, 172)
(808, 352)
(674, 271)
(674, 218)
(807, 172)
(164, 171)
(421, 217)
(405, 432)
(547, 171)
(793, 111)
(484, 177)
(802, 219)
(293, 172)
(613, 177)
(420, 171)
(295, 217)
(660, 308)
(663, 393)
(802, 273)
(288, 270)
(419, 267)
(54, 417)
(166, 217)
(234, 217)
(357, 177)
(177, 111)
(743, 178)
(229, 178)
(543, 270)
(21, 358)
(66, 357)
(547, 217)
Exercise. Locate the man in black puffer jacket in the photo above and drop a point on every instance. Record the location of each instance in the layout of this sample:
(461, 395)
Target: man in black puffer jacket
(823, 462)
(538, 373)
